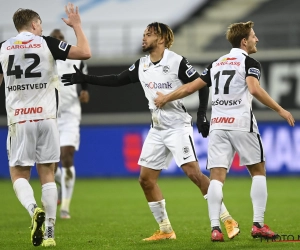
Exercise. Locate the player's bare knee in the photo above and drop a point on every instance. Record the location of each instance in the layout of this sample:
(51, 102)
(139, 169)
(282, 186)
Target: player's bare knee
(146, 183)
(257, 169)
(67, 160)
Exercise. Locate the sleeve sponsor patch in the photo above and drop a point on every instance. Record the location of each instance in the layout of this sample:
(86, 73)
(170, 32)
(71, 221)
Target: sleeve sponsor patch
(204, 72)
(190, 71)
(63, 45)
(254, 71)
(132, 67)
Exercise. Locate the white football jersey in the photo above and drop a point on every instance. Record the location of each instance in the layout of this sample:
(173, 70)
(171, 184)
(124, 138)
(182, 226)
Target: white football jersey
(165, 76)
(31, 80)
(231, 99)
(69, 101)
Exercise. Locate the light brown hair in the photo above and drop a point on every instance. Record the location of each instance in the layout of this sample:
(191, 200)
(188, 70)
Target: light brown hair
(163, 31)
(23, 17)
(237, 31)
(56, 33)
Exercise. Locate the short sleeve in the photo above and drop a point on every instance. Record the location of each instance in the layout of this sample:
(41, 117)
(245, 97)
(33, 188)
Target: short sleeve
(186, 72)
(59, 49)
(134, 72)
(205, 76)
(1, 70)
(252, 67)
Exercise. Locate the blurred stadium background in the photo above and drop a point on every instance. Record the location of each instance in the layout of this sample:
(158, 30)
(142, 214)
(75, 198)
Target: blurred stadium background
(116, 120)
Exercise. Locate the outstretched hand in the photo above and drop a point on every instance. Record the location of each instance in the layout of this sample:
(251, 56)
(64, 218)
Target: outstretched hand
(73, 15)
(287, 116)
(202, 124)
(73, 78)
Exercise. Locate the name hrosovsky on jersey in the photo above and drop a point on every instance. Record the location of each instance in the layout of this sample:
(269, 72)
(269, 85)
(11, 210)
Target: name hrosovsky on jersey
(226, 102)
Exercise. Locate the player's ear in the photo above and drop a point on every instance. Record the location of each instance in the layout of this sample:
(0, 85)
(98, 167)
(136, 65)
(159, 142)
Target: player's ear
(32, 25)
(161, 40)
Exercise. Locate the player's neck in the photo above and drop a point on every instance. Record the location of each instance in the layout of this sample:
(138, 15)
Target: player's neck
(25, 30)
(157, 55)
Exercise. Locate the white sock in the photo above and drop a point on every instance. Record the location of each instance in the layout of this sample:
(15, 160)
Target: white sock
(214, 200)
(259, 195)
(67, 186)
(49, 200)
(58, 175)
(158, 209)
(224, 214)
(25, 194)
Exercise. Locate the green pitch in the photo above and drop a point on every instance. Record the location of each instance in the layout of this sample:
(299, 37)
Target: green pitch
(113, 214)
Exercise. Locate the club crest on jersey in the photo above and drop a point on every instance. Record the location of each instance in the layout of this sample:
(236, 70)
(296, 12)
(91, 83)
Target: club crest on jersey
(204, 72)
(190, 71)
(63, 45)
(132, 67)
(254, 71)
(166, 69)
(185, 150)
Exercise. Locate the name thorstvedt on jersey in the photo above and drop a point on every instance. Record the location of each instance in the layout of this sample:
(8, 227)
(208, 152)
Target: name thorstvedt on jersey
(27, 86)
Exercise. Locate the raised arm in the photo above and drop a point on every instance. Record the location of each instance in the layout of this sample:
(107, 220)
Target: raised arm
(82, 49)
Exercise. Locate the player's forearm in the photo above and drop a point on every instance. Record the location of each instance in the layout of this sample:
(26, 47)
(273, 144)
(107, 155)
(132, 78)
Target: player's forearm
(179, 93)
(84, 86)
(108, 80)
(261, 95)
(203, 98)
(82, 42)
(186, 89)
(1, 79)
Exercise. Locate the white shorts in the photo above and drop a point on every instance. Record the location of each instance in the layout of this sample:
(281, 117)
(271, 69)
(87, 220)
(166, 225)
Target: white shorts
(68, 127)
(160, 145)
(33, 142)
(223, 144)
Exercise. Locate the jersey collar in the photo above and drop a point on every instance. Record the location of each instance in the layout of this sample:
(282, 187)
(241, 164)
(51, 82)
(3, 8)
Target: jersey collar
(162, 62)
(25, 33)
(238, 51)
